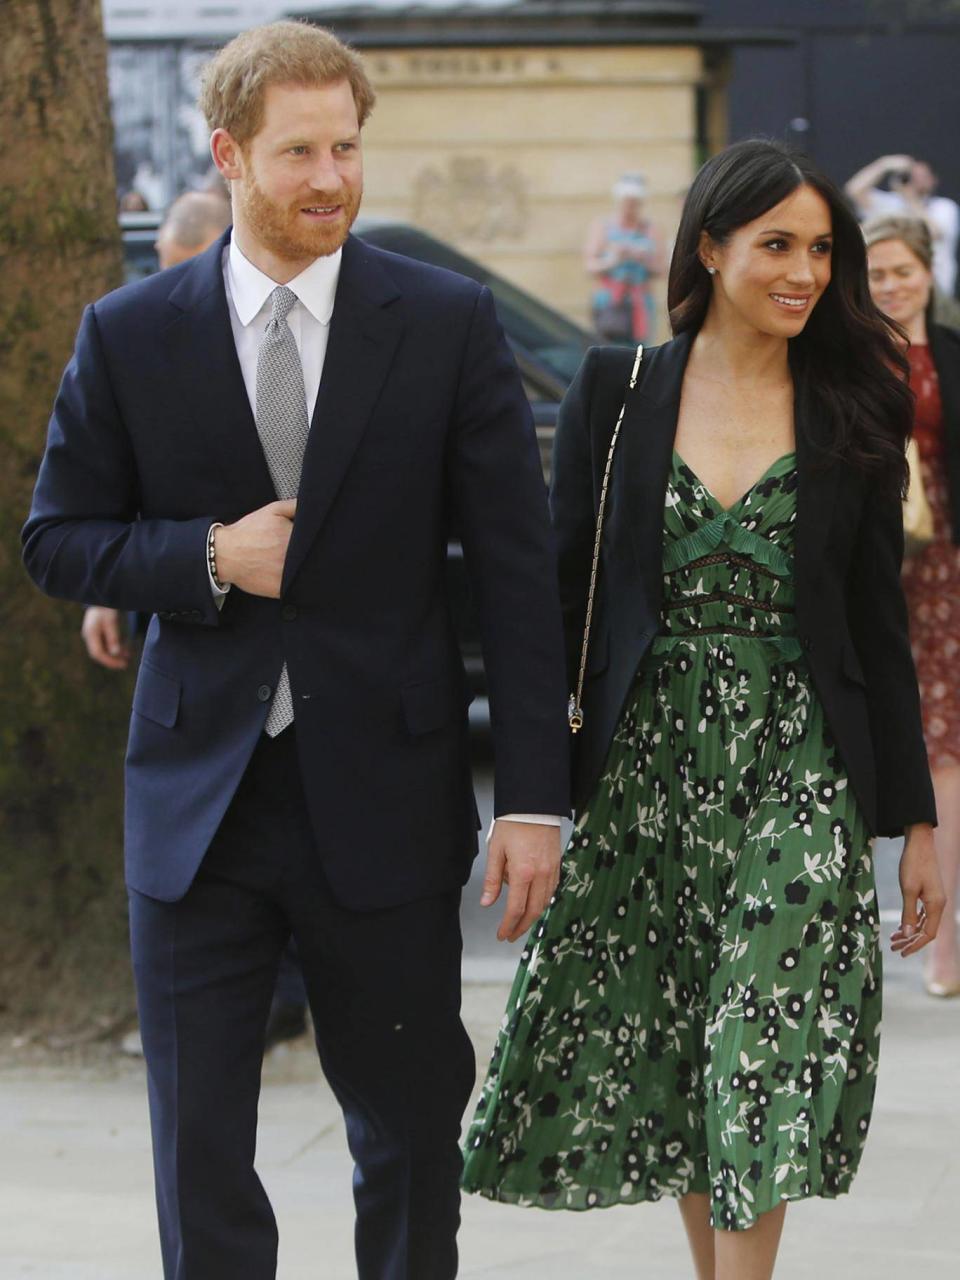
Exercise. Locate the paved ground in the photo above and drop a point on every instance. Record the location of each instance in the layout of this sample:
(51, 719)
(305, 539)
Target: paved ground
(76, 1198)
(76, 1191)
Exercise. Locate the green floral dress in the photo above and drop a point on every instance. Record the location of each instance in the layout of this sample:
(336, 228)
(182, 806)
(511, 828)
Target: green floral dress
(699, 1007)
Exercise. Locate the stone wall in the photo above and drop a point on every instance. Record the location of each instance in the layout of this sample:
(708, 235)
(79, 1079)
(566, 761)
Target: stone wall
(510, 153)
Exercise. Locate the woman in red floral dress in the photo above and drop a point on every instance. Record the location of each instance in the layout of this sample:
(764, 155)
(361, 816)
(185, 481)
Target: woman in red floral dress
(900, 255)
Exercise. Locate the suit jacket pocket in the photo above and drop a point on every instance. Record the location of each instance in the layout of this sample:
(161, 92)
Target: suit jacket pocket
(430, 704)
(850, 665)
(157, 696)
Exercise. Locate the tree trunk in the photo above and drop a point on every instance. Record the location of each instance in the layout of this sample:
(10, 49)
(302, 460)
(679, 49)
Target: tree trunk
(62, 906)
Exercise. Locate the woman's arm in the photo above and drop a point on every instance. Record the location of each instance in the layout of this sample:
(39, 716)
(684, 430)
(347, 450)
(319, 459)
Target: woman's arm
(880, 627)
(861, 186)
(922, 890)
(877, 615)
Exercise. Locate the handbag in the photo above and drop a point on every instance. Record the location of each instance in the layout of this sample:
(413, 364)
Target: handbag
(917, 515)
(614, 320)
(575, 707)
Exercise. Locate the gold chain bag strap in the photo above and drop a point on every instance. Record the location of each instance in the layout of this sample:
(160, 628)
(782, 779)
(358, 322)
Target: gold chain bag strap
(575, 706)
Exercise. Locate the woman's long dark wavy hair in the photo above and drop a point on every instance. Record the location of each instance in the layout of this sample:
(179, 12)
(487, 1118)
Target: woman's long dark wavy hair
(847, 359)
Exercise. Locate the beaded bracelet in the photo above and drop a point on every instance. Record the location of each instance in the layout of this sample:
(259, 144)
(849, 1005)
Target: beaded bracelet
(212, 557)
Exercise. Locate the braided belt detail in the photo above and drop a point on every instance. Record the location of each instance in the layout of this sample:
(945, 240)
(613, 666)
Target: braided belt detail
(729, 557)
(728, 631)
(727, 596)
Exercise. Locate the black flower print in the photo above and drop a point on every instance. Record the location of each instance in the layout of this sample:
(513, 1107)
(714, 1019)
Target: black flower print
(699, 1003)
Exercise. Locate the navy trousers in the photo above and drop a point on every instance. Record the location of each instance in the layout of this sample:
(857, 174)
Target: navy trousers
(384, 992)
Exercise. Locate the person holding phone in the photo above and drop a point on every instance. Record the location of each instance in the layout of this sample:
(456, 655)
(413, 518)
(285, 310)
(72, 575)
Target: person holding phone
(901, 185)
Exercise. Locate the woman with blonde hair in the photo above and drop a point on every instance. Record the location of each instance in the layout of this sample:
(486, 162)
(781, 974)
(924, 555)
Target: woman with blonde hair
(900, 258)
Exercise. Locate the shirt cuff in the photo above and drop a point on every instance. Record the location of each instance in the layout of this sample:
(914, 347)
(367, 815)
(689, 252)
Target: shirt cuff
(219, 593)
(544, 819)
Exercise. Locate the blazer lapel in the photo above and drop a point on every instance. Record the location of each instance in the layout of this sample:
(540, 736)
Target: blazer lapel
(199, 341)
(648, 432)
(364, 333)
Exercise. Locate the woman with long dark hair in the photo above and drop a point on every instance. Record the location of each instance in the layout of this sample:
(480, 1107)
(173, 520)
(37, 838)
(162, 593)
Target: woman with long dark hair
(697, 1012)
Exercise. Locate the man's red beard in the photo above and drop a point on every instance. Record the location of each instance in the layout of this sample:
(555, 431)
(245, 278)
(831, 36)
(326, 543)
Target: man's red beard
(286, 233)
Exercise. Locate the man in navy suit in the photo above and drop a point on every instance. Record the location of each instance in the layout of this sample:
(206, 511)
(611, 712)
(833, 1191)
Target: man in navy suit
(266, 449)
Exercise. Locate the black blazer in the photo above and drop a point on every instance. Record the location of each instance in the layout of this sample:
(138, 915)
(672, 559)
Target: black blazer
(420, 423)
(945, 351)
(851, 615)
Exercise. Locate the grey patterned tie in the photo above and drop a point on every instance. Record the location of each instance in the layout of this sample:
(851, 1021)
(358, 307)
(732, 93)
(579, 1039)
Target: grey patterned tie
(283, 428)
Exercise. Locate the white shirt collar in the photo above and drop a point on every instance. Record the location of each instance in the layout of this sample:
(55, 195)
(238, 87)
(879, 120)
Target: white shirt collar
(315, 286)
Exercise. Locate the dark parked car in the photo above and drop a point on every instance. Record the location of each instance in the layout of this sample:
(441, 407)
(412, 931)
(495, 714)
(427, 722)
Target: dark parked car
(548, 349)
(139, 234)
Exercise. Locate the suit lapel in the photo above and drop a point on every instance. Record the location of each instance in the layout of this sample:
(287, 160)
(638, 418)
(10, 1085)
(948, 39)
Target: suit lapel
(200, 345)
(364, 333)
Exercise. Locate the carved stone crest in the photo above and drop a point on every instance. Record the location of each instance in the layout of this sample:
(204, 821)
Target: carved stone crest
(467, 199)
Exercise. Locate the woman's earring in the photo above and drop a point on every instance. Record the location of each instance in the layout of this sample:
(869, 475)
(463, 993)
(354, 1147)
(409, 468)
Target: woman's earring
(711, 271)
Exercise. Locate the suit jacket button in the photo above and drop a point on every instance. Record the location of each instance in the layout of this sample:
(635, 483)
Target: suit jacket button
(807, 643)
(288, 612)
(264, 692)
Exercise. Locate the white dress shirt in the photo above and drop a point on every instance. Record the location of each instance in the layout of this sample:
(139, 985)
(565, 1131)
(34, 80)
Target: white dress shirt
(248, 301)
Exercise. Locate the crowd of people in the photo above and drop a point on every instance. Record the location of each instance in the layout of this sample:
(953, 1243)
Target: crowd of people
(626, 253)
(717, 579)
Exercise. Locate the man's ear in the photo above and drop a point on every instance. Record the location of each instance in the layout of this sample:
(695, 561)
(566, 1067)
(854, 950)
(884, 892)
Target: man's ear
(226, 154)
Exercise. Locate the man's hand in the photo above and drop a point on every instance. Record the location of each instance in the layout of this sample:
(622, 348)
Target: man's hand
(922, 888)
(525, 855)
(251, 552)
(101, 634)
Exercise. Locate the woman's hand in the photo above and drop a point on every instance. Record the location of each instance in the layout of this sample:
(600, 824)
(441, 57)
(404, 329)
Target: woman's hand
(922, 889)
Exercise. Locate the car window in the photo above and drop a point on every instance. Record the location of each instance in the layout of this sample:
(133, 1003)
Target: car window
(555, 341)
(138, 232)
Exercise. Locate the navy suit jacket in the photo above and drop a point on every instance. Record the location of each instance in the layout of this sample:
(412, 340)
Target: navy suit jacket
(420, 420)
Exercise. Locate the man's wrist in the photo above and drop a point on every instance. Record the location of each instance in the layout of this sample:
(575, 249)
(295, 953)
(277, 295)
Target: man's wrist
(219, 583)
(542, 819)
(218, 553)
(533, 819)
